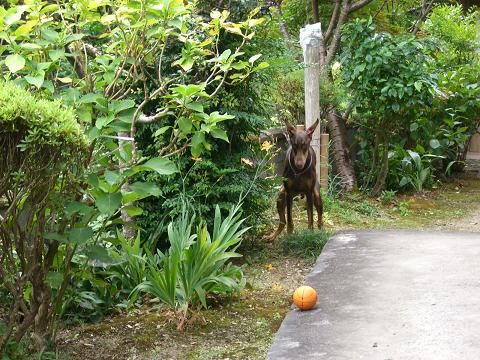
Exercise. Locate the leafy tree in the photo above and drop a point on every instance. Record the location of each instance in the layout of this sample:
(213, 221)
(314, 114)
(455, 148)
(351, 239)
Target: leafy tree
(220, 175)
(43, 154)
(120, 65)
(389, 81)
(455, 65)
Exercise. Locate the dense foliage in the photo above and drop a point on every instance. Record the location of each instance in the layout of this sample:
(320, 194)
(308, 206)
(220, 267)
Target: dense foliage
(119, 65)
(415, 99)
(390, 86)
(43, 150)
(195, 264)
(129, 137)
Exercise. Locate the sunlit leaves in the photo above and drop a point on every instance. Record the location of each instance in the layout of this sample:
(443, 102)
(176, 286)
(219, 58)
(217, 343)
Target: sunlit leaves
(36, 80)
(15, 62)
(386, 73)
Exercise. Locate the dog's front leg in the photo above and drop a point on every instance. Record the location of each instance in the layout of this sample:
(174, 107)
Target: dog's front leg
(289, 213)
(310, 210)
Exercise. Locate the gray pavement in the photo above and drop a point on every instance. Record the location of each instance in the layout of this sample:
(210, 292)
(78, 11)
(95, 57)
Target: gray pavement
(390, 295)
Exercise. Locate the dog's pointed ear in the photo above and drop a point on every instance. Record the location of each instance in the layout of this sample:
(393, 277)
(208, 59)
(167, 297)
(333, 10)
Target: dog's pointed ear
(291, 130)
(312, 128)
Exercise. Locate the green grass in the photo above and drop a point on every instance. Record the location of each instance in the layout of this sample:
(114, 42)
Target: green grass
(305, 243)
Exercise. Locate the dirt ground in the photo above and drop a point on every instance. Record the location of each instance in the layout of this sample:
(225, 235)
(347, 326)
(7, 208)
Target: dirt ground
(238, 328)
(244, 327)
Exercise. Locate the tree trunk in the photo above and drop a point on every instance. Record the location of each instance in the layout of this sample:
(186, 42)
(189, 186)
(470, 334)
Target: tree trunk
(282, 25)
(375, 159)
(382, 175)
(127, 229)
(341, 152)
(316, 15)
(336, 123)
(426, 7)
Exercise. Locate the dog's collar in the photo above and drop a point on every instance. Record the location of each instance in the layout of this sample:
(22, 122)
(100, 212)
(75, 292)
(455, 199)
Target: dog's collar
(289, 152)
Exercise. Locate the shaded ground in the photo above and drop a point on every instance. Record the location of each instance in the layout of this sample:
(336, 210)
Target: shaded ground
(244, 328)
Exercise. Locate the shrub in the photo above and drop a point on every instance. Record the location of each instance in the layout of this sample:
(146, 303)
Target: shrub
(288, 97)
(456, 65)
(390, 85)
(43, 149)
(387, 197)
(196, 264)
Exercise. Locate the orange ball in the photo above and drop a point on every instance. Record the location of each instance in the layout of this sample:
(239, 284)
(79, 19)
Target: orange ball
(305, 297)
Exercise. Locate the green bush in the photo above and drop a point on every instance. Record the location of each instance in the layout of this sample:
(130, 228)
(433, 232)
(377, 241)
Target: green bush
(35, 129)
(389, 85)
(196, 264)
(43, 150)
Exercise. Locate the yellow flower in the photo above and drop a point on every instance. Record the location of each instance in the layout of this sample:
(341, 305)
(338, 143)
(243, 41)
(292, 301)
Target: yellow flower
(196, 158)
(266, 145)
(247, 162)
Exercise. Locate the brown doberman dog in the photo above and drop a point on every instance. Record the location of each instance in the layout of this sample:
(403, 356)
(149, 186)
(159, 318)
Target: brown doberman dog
(299, 178)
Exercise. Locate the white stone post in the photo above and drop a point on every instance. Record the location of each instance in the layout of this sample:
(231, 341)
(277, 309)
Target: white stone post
(310, 37)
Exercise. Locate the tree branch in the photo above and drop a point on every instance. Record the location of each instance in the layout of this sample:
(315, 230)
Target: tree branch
(426, 7)
(92, 50)
(282, 25)
(358, 5)
(338, 33)
(333, 21)
(143, 119)
(316, 15)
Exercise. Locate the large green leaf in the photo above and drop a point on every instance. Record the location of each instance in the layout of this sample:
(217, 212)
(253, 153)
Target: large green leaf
(113, 177)
(132, 210)
(14, 14)
(185, 125)
(109, 203)
(55, 279)
(119, 105)
(80, 236)
(219, 134)
(161, 165)
(15, 62)
(197, 143)
(146, 188)
(104, 120)
(56, 54)
(36, 81)
(434, 144)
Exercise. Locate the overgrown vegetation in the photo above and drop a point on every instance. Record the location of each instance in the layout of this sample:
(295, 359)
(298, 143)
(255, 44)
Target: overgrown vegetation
(129, 130)
(118, 65)
(42, 149)
(413, 118)
(196, 264)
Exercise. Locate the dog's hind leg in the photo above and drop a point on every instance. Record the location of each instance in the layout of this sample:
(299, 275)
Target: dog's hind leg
(289, 213)
(310, 211)
(281, 202)
(317, 200)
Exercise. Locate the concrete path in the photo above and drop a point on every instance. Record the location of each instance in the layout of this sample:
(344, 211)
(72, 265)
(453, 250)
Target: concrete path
(390, 295)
